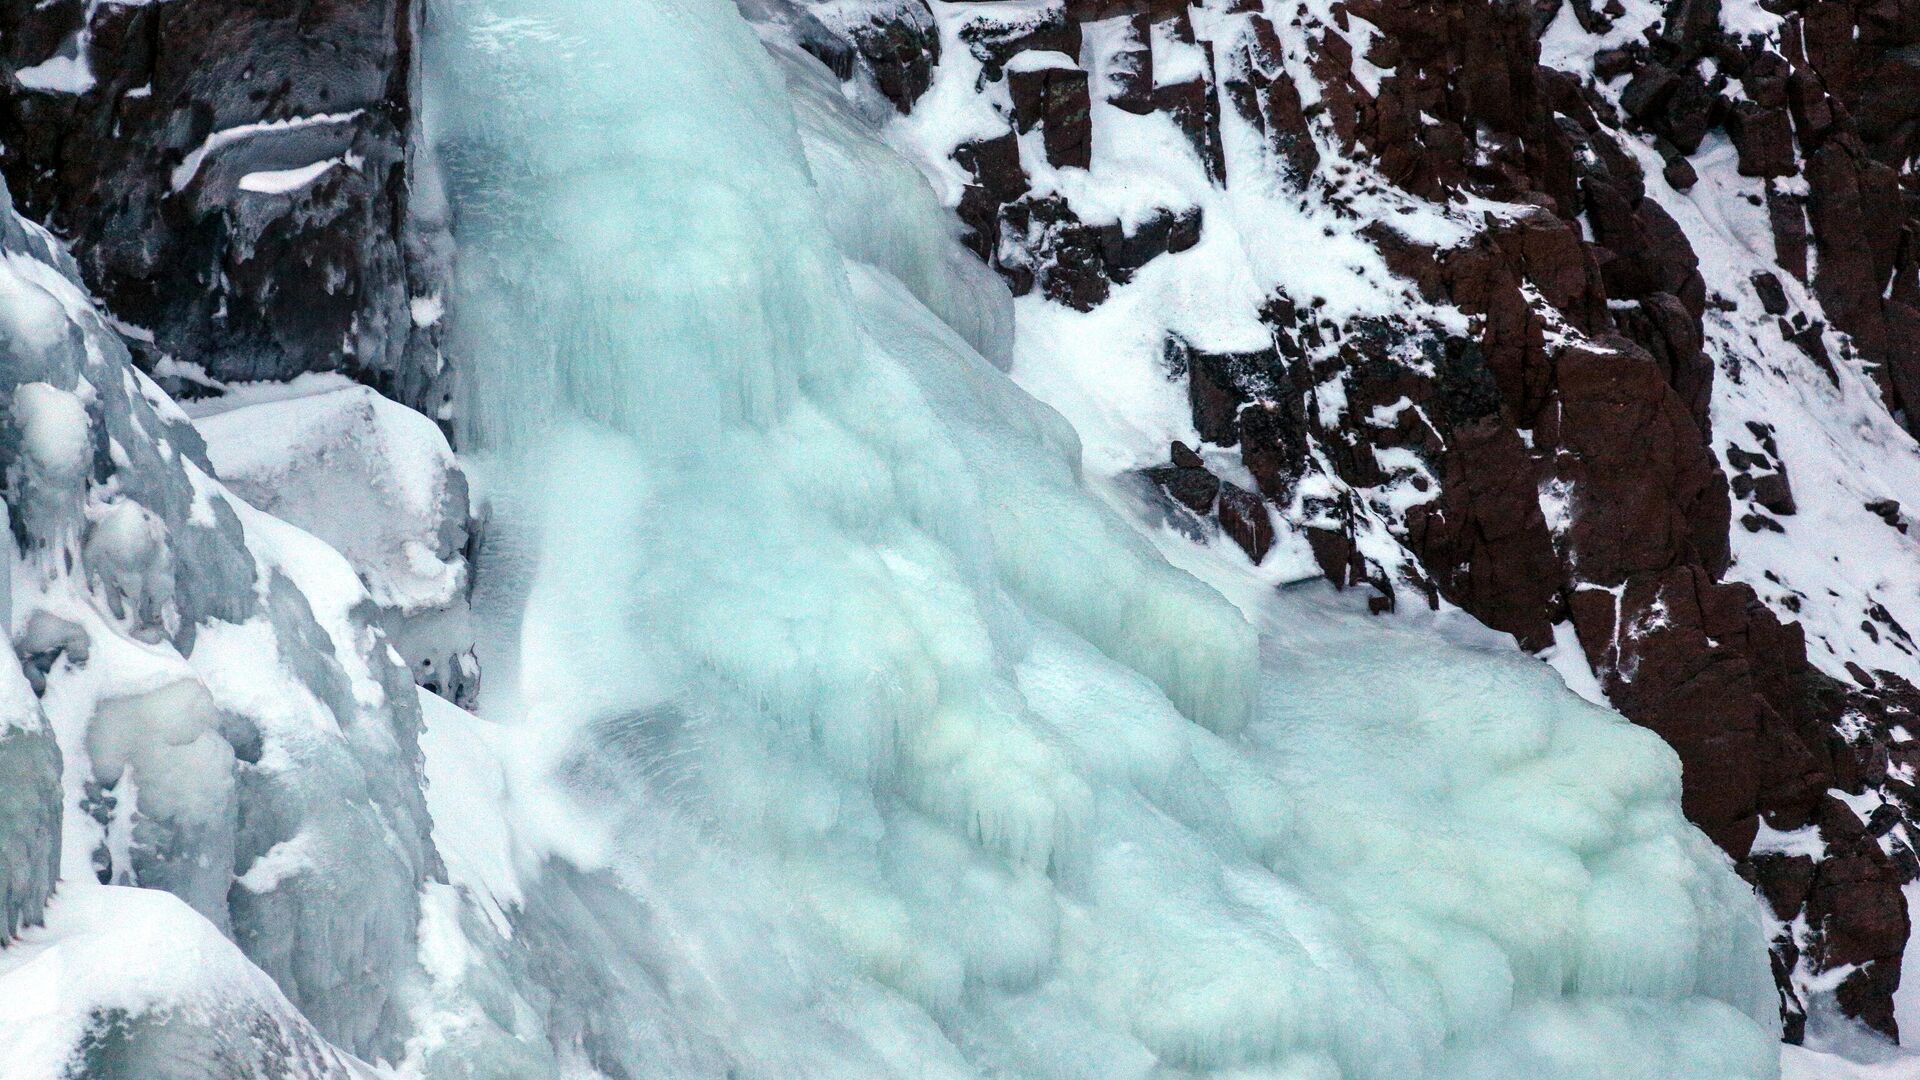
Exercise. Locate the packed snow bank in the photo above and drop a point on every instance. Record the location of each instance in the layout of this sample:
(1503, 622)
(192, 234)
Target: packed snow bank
(844, 731)
(131, 983)
(1800, 1063)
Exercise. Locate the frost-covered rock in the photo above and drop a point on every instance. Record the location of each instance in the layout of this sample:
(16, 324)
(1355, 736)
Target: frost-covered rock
(232, 726)
(236, 181)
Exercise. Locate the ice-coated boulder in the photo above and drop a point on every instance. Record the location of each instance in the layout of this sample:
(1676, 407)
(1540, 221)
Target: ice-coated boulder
(29, 806)
(131, 984)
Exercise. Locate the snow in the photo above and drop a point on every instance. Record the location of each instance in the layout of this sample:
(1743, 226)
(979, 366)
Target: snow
(290, 452)
(282, 860)
(426, 310)
(1840, 447)
(1802, 841)
(30, 317)
(53, 428)
(1040, 60)
(1567, 658)
(468, 798)
(1175, 61)
(1835, 440)
(1748, 18)
(286, 181)
(189, 166)
(136, 953)
(1567, 46)
(59, 75)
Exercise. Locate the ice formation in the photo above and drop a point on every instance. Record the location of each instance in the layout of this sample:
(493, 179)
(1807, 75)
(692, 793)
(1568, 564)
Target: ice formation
(376, 481)
(201, 708)
(842, 730)
(834, 723)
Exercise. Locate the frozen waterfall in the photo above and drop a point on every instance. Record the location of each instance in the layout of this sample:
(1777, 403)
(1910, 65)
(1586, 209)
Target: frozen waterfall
(836, 727)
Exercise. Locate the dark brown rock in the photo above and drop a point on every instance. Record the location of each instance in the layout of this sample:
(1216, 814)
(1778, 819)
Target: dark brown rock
(1192, 486)
(1192, 106)
(996, 34)
(1130, 69)
(1265, 96)
(1764, 138)
(1056, 99)
(900, 46)
(1244, 517)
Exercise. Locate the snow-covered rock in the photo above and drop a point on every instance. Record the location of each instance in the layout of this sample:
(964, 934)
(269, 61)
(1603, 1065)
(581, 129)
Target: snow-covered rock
(1525, 309)
(376, 481)
(237, 183)
(232, 726)
(131, 984)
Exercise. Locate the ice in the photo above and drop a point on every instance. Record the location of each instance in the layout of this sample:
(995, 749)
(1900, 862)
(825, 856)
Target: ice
(841, 727)
(29, 805)
(55, 453)
(53, 430)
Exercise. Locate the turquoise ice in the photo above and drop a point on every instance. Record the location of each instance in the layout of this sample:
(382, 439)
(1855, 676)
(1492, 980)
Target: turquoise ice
(884, 745)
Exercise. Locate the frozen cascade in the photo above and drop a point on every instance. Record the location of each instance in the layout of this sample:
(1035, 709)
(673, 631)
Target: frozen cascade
(859, 738)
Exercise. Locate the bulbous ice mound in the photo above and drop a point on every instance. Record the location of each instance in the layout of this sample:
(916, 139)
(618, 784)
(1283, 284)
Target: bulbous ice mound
(781, 567)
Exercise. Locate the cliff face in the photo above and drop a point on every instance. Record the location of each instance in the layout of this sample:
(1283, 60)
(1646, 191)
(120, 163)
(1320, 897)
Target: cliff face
(1628, 366)
(234, 182)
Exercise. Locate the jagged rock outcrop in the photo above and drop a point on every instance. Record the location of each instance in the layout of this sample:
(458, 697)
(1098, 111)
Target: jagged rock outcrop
(235, 182)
